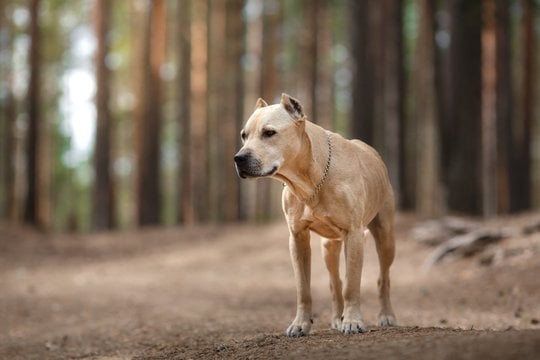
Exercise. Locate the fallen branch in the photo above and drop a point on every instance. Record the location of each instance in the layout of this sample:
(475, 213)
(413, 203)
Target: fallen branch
(436, 232)
(465, 245)
(463, 237)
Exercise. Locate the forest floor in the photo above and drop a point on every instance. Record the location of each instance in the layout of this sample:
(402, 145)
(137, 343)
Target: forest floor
(228, 292)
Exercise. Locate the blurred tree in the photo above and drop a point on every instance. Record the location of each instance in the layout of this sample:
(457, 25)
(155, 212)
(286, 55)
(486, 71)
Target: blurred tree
(234, 106)
(468, 109)
(489, 97)
(37, 208)
(218, 107)
(308, 41)
(102, 211)
(462, 137)
(7, 115)
(504, 103)
(325, 90)
(312, 82)
(153, 52)
(123, 63)
(225, 105)
(363, 95)
(428, 189)
(252, 87)
(392, 114)
(520, 175)
(199, 118)
(270, 85)
(185, 201)
(377, 88)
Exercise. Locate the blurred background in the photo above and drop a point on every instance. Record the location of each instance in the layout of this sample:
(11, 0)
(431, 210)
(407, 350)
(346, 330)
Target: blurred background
(119, 114)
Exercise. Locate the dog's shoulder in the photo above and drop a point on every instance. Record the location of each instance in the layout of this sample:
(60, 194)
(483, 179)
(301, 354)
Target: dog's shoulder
(365, 149)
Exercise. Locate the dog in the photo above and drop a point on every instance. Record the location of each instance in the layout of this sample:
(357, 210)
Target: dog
(335, 187)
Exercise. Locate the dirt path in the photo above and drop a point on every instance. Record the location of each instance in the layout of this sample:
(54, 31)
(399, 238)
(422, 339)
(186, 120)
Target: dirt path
(229, 293)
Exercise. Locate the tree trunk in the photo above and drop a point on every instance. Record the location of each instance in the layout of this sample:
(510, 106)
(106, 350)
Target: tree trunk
(199, 110)
(392, 104)
(362, 111)
(503, 105)
(489, 129)
(217, 103)
(325, 69)
(267, 191)
(149, 204)
(235, 49)
(308, 40)
(428, 191)
(103, 185)
(521, 172)
(377, 85)
(253, 77)
(185, 201)
(37, 203)
(7, 119)
(463, 138)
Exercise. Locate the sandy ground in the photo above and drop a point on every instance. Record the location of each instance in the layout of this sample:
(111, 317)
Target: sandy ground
(229, 293)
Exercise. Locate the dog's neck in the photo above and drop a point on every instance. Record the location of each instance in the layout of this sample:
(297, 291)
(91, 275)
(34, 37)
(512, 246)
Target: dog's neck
(312, 164)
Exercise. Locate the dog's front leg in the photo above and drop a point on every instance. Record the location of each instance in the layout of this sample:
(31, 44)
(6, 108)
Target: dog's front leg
(354, 256)
(300, 250)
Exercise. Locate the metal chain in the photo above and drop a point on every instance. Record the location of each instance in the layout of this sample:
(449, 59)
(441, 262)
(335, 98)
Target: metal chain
(325, 173)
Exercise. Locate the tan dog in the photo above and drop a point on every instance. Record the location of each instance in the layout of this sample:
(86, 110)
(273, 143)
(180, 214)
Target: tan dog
(334, 187)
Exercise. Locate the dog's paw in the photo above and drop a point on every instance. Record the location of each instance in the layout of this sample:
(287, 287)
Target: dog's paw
(336, 323)
(299, 328)
(352, 326)
(387, 320)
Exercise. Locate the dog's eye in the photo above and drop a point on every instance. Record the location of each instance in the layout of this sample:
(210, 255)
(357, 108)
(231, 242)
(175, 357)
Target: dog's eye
(243, 135)
(268, 133)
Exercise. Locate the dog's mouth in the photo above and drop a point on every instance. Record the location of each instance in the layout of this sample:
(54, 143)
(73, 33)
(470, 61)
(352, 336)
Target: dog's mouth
(255, 173)
(249, 166)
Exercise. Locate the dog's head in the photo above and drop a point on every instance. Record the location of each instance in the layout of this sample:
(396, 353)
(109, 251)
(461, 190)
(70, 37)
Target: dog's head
(271, 135)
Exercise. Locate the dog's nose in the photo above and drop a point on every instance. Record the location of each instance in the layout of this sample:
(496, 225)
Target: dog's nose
(241, 158)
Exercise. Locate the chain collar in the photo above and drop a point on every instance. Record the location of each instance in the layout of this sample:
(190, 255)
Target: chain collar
(325, 173)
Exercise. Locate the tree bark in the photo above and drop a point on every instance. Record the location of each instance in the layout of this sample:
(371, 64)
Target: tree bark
(7, 118)
(377, 86)
(504, 104)
(199, 158)
(489, 129)
(521, 172)
(103, 186)
(325, 69)
(392, 103)
(32, 196)
(37, 210)
(463, 138)
(185, 201)
(269, 90)
(235, 49)
(217, 105)
(362, 112)
(428, 190)
(253, 77)
(149, 202)
(309, 58)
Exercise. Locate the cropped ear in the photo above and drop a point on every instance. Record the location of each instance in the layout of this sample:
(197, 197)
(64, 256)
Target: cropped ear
(260, 103)
(292, 106)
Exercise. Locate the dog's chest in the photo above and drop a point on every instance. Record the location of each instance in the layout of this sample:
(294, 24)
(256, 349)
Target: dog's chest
(322, 224)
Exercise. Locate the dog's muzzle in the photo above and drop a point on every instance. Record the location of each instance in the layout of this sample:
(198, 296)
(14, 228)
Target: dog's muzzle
(249, 166)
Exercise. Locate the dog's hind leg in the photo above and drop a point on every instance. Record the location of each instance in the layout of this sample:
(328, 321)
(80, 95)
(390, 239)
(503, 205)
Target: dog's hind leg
(382, 228)
(331, 250)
